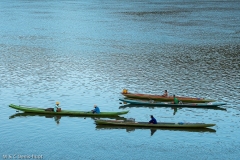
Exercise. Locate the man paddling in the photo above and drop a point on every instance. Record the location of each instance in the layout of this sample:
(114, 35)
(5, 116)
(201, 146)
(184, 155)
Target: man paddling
(153, 120)
(96, 109)
(175, 100)
(56, 107)
(165, 94)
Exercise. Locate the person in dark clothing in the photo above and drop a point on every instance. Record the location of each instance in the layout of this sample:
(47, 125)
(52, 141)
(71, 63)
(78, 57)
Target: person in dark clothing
(165, 94)
(153, 120)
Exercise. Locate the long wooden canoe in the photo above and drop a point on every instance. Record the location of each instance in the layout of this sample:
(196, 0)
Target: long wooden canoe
(170, 104)
(169, 98)
(158, 125)
(65, 112)
(133, 128)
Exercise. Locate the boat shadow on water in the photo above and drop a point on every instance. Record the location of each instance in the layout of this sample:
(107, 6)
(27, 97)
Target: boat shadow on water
(153, 130)
(175, 109)
(56, 117)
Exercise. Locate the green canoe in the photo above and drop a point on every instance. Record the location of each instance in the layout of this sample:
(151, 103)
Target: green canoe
(65, 112)
(158, 125)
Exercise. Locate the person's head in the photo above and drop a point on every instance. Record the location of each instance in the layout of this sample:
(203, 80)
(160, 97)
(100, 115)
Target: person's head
(57, 103)
(174, 95)
(165, 91)
(151, 116)
(95, 105)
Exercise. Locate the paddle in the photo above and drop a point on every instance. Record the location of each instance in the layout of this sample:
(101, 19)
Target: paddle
(89, 111)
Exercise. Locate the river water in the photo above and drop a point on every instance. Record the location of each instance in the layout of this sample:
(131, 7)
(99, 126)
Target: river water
(82, 53)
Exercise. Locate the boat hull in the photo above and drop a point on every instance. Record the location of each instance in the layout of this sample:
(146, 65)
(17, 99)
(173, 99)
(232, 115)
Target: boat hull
(170, 104)
(65, 112)
(170, 98)
(158, 125)
(132, 128)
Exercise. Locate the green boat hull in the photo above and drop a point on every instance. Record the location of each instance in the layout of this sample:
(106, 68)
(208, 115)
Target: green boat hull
(159, 125)
(66, 112)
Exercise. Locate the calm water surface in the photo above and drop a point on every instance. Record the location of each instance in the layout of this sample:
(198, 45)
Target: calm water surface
(83, 53)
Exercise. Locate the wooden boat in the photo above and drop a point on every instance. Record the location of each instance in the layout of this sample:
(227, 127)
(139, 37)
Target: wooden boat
(158, 125)
(65, 112)
(133, 128)
(162, 98)
(170, 104)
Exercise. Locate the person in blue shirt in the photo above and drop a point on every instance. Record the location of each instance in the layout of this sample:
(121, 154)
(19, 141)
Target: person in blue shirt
(153, 120)
(96, 109)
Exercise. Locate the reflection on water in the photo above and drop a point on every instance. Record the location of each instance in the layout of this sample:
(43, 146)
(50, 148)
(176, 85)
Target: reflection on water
(57, 118)
(153, 130)
(175, 109)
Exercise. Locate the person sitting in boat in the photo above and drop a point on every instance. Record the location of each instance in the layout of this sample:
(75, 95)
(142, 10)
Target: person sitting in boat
(165, 93)
(96, 109)
(153, 120)
(56, 107)
(175, 100)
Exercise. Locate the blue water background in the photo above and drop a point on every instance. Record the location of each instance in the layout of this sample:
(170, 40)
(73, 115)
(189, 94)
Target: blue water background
(82, 53)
